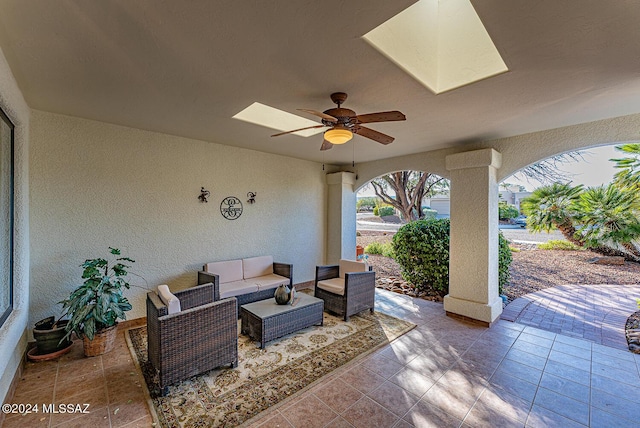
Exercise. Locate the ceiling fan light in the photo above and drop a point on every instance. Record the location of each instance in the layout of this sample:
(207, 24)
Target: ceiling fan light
(338, 136)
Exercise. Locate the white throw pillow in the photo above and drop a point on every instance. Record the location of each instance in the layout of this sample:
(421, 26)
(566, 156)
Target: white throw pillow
(169, 299)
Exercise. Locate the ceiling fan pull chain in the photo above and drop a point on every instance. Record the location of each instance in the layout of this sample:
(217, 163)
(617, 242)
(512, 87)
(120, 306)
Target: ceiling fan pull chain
(353, 158)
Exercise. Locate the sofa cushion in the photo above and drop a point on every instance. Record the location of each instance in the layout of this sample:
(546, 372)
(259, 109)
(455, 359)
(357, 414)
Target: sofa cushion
(237, 288)
(347, 266)
(257, 266)
(228, 271)
(269, 281)
(169, 299)
(333, 285)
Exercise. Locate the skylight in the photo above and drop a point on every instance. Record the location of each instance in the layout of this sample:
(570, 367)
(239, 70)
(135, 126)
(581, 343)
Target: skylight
(273, 118)
(441, 43)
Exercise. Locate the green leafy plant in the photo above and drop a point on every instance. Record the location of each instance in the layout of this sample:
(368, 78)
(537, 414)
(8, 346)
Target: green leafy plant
(385, 211)
(558, 244)
(422, 251)
(507, 211)
(504, 261)
(385, 249)
(98, 303)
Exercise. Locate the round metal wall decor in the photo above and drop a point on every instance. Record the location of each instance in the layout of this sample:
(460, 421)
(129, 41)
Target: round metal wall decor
(231, 208)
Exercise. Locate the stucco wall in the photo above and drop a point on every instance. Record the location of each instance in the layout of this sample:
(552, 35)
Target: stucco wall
(95, 185)
(13, 340)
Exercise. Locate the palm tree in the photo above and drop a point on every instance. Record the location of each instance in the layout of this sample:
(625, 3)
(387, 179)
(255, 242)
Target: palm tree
(553, 206)
(629, 174)
(608, 216)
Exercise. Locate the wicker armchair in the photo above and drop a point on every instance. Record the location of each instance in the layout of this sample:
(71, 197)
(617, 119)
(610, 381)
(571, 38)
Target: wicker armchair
(201, 337)
(345, 290)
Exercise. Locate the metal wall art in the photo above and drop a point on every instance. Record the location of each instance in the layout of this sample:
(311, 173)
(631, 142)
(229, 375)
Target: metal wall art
(231, 208)
(252, 197)
(204, 194)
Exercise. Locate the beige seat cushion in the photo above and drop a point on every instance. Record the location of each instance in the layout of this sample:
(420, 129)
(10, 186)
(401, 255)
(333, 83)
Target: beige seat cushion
(169, 299)
(269, 281)
(236, 288)
(347, 266)
(228, 271)
(333, 285)
(257, 266)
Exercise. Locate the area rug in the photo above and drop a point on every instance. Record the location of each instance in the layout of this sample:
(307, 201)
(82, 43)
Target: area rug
(264, 377)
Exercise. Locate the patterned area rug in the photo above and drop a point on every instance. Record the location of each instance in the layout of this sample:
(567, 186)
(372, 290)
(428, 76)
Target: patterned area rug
(264, 377)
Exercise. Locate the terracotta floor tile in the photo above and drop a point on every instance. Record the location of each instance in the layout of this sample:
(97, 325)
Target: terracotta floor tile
(309, 413)
(338, 395)
(412, 381)
(77, 384)
(339, 422)
(427, 415)
(121, 413)
(98, 418)
(367, 413)
(362, 379)
(566, 387)
(277, 420)
(561, 404)
(394, 398)
(381, 365)
(34, 420)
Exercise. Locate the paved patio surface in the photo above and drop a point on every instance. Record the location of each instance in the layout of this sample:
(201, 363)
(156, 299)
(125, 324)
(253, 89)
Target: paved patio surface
(448, 373)
(596, 313)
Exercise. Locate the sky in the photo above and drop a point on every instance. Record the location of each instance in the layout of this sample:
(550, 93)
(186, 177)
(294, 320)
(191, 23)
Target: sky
(594, 169)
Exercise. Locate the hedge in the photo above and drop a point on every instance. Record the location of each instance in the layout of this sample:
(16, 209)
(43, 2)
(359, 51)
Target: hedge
(422, 250)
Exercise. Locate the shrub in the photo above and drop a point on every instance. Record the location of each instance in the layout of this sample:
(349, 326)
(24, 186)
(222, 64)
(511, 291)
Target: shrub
(507, 211)
(385, 250)
(559, 244)
(429, 213)
(422, 250)
(504, 261)
(376, 210)
(385, 211)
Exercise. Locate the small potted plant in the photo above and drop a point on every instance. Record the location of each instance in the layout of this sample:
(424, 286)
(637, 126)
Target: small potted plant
(95, 306)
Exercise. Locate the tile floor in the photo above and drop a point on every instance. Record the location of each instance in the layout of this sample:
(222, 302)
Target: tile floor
(443, 373)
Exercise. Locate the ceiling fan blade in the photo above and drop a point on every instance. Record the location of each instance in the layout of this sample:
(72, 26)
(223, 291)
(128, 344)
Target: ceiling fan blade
(374, 135)
(325, 145)
(296, 130)
(383, 116)
(319, 114)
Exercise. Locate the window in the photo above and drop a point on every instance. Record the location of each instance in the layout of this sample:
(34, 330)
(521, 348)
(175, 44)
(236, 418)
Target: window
(6, 216)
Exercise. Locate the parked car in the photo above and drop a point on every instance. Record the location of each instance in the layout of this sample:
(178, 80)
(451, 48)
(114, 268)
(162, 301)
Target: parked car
(520, 221)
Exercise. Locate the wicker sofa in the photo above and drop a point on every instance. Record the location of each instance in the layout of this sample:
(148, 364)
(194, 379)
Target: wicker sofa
(199, 335)
(346, 288)
(248, 280)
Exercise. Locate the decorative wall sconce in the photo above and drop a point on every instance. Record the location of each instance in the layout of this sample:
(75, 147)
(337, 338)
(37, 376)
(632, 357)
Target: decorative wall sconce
(252, 197)
(204, 194)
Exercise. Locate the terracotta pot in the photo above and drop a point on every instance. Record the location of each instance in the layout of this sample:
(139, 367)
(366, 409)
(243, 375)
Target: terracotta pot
(102, 342)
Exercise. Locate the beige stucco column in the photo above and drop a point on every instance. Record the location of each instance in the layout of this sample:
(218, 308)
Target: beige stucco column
(473, 263)
(341, 217)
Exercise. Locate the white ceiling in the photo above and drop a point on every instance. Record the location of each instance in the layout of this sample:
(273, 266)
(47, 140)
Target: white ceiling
(185, 68)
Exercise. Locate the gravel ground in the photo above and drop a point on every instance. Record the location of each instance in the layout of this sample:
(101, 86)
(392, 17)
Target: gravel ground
(532, 269)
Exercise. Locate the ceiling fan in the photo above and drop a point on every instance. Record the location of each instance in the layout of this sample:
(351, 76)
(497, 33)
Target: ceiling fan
(343, 123)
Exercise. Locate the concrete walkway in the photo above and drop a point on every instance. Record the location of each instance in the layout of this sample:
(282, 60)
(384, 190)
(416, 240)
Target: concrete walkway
(596, 313)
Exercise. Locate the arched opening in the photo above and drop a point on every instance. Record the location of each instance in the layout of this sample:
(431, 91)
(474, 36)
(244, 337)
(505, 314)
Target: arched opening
(569, 264)
(386, 203)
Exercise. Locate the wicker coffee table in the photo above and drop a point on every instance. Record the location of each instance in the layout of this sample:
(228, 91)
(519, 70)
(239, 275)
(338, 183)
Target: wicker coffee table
(265, 320)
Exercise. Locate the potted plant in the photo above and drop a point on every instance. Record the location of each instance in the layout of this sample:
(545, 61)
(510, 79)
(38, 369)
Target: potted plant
(95, 306)
(51, 340)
